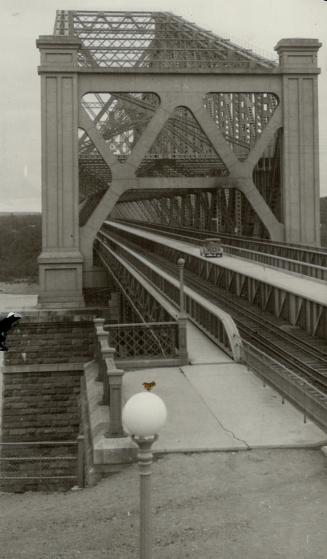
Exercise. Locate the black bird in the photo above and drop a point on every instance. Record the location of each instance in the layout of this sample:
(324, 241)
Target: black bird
(5, 325)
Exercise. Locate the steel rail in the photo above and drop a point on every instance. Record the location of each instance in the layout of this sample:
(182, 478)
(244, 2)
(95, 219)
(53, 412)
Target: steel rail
(270, 346)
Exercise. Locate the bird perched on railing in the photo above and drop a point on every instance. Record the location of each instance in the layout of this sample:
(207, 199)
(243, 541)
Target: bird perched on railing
(149, 385)
(5, 325)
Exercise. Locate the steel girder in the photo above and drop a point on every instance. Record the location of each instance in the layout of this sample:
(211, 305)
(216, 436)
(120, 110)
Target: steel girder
(115, 121)
(189, 150)
(242, 117)
(220, 210)
(144, 306)
(156, 41)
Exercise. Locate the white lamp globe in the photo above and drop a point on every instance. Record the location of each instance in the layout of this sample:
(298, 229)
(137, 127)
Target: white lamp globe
(144, 414)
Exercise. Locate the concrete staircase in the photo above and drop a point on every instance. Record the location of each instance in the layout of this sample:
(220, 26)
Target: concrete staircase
(41, 399)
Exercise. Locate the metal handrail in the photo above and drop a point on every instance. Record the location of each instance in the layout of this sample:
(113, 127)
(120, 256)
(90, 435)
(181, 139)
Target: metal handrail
(19, 445)
(217, 324)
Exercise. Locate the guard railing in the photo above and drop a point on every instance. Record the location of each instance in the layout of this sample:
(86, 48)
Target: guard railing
(311, 400)
(217, 324)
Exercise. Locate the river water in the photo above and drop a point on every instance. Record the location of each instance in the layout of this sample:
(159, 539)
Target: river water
(17, 296)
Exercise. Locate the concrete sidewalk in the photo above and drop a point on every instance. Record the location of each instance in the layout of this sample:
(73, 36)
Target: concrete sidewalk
(216, 404)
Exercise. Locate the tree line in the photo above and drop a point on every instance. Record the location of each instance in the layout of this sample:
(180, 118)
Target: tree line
(20, 245)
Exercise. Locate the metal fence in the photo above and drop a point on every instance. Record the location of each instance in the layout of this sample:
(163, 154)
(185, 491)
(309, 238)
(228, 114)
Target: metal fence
(144, 339)
(41, 465)
(302, 393)
(303, 268)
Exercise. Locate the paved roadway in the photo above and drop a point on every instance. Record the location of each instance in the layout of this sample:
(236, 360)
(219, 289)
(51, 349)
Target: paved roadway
(312, 289)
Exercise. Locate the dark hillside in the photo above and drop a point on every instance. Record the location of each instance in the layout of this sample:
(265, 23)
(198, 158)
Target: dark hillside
(323, 219)
(20, 245)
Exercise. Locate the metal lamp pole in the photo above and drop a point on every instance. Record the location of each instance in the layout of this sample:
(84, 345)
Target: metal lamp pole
(182, 319)
(180, 263)
(144, 414)
(145, 462)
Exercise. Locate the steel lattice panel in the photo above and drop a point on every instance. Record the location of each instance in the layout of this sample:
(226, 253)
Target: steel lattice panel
(225, 210)
(94, 173)
(120, 118)
(241, 117)
(182, 149)
(267, 175)
(152, 41)
(142, 341)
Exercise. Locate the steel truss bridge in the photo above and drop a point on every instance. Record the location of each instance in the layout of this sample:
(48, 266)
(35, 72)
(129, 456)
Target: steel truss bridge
(147, 116)
(162, 127)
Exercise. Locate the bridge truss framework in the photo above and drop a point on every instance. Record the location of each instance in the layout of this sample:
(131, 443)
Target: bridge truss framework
(149, 114)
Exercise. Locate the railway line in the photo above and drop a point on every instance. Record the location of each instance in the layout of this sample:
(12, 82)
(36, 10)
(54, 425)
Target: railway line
(298, 355)
(291, 347)
(309, 261)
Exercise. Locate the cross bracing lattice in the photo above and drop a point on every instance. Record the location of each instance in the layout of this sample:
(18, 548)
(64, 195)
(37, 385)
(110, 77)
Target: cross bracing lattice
(114, 122)
(182, 149)
(94, 173)
(120, 118)
(153, 41)
(241, 117)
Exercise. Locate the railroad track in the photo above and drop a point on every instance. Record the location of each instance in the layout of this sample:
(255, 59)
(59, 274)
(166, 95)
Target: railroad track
(296, 350)
(310, 362)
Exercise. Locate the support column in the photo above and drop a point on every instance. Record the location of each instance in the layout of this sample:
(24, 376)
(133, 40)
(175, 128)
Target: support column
(60, 262)
(298, 66)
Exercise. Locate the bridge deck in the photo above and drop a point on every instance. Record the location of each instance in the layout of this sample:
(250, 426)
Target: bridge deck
(302, 286)
(216, 404)
(213, 405)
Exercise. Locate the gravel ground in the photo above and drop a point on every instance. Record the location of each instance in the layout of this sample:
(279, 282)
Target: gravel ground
(255, 505)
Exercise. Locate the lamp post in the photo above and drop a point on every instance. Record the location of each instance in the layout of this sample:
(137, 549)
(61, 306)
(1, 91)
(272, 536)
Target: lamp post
(216, 219)
(182, 319)
(181, 263)
(143, 416)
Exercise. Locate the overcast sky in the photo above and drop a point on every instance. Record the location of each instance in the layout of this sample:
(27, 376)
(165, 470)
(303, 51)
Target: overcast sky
(252, 23)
